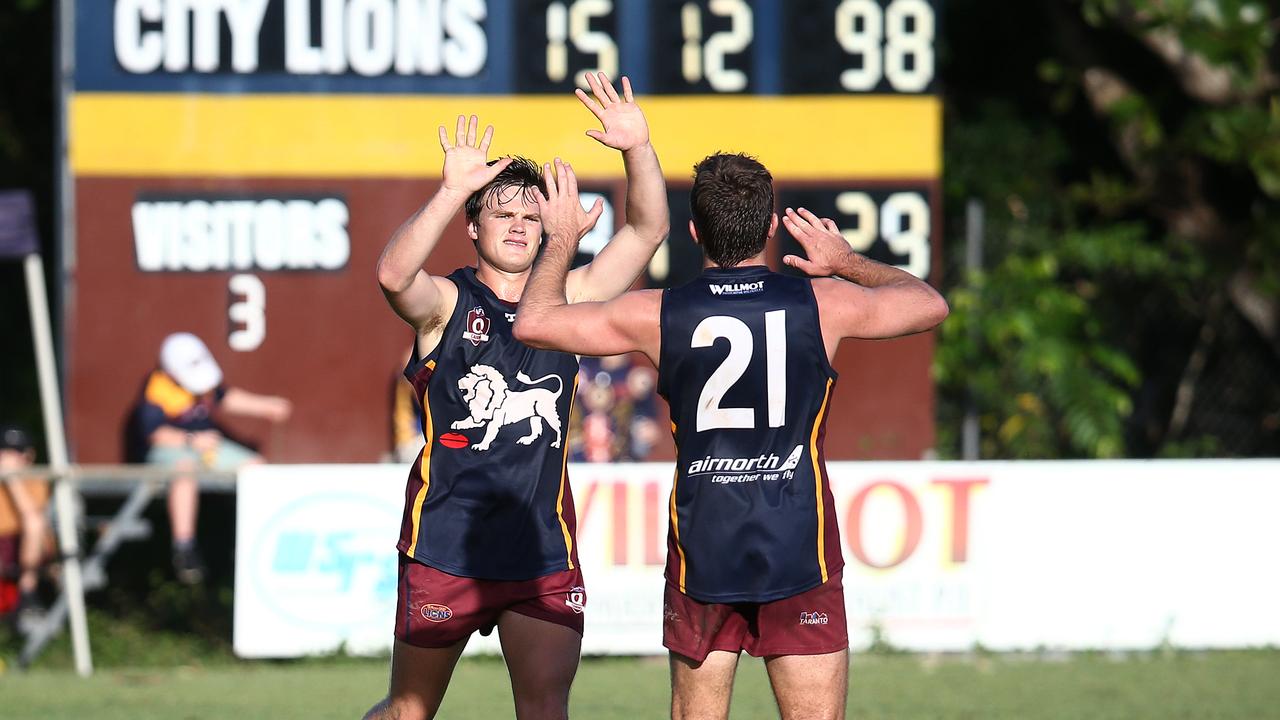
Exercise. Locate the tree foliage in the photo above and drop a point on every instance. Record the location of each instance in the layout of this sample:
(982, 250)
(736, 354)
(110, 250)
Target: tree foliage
(1127, 155)
(27, 129)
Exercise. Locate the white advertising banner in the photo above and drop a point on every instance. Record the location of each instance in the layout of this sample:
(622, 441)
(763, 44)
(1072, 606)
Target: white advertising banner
(939, 555)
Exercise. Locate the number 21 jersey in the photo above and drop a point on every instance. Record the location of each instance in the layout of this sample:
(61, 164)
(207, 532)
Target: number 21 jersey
(746, 374)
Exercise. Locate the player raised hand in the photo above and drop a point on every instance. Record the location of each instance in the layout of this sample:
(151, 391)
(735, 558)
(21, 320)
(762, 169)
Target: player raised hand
(466, 162)
(827, 250)
(563, 219)
(624, 124)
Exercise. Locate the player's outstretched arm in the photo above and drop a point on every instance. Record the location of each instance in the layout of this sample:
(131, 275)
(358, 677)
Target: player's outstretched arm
(618, 265)
(877, 301)
(417, 297)
(624, 324)
(251, 404)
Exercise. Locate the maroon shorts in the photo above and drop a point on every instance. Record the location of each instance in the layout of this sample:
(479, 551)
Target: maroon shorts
(811, 623)
(9, 555)
(8, 573)
(435, 609)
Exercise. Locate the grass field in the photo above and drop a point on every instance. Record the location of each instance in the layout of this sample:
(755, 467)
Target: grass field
(1218, 685)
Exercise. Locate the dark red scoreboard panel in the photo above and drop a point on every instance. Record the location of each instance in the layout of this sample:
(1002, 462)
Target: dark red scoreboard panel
(236, 176)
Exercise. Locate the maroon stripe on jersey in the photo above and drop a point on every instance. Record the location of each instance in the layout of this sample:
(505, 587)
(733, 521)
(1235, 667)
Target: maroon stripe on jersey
(569, 516)
(834, 556)
(411, 490)
(410, 522)
(564, 501)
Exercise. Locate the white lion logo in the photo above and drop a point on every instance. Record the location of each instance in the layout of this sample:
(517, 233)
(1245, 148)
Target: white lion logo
(490, 401)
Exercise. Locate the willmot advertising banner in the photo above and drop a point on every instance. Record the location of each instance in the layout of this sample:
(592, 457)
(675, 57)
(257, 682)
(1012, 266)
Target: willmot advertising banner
(939, 556)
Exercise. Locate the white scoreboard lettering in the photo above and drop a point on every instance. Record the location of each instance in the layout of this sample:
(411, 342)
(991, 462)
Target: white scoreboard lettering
(367, 37)
(201, 235)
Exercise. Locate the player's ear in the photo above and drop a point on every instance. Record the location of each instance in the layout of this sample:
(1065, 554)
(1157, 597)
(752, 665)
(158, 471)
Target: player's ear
(693, 233)
(473, 230)
(773, 226)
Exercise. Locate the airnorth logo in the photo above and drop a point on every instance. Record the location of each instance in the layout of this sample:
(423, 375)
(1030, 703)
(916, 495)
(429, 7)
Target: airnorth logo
(738, 288)
(746, 469)
(436, 613)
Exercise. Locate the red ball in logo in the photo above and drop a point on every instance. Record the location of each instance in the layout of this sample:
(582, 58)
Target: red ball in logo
(453, 440)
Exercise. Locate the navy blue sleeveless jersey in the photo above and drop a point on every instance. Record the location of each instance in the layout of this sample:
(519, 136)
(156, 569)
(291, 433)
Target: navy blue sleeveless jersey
(488, 496)
(745, 372)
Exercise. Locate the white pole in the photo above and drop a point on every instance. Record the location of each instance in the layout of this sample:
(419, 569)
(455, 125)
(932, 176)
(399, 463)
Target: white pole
(64, 501)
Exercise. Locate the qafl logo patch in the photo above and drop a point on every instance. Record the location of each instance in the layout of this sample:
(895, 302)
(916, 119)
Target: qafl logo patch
(577, 599)
(477, 326)
(436, 613)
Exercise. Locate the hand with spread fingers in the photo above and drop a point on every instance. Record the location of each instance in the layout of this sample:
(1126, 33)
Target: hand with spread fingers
(563, 219)
(827, 250)
(625, 127)
(466, 161)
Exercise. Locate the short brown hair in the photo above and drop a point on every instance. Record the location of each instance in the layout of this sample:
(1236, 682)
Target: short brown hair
(732, 205)
(520, 176)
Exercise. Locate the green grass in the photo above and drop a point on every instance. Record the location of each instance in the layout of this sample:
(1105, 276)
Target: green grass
(1166, 686)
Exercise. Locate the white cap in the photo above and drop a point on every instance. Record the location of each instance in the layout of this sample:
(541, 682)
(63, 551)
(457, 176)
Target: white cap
(186, 359)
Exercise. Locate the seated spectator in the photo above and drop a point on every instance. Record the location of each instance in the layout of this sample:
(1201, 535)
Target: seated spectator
(174, 420)
(25, 541)
(614, 414)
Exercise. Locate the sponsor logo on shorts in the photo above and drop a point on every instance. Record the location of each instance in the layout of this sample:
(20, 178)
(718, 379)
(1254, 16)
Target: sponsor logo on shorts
(436, 613)
(813, 618)
(669, 614)
(577, 599)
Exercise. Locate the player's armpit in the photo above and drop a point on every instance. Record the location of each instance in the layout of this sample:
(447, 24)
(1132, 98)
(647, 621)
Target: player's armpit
(425, 303)
(888, 311)
(628, 323)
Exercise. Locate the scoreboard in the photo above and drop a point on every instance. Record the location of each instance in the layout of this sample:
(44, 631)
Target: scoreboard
(237, 165)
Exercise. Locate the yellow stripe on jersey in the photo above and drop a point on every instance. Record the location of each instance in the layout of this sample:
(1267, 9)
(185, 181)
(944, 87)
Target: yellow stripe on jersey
(381, 136)
(424, 468)
(675, 518)
(564, 480)
(675, 526)
(817, 481)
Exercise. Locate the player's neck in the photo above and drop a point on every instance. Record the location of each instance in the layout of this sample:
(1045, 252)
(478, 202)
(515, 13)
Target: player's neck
(707, 264)
(506, 285)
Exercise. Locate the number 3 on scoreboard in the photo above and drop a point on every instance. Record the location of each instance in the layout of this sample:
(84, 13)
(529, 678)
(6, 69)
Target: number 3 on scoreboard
(741, 346)
(247, 314)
